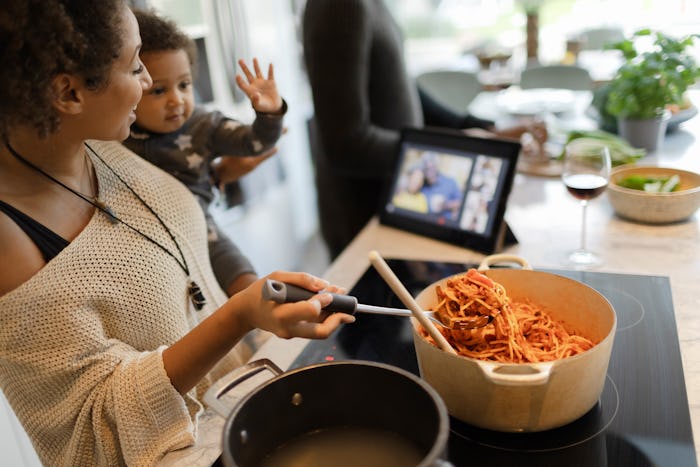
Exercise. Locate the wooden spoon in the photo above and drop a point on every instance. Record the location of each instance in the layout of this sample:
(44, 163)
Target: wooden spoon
(407, 299)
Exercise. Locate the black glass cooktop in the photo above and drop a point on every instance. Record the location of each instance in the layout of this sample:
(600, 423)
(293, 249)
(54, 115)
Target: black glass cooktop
(642, 418)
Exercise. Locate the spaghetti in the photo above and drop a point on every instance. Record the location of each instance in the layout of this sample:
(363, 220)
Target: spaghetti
(521, 332)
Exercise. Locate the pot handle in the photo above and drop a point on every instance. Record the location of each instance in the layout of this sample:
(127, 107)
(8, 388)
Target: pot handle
(233, 379)
(503, 258)
(539, 376)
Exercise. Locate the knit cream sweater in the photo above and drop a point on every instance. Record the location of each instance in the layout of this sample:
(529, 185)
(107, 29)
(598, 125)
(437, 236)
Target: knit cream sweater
(81, 342)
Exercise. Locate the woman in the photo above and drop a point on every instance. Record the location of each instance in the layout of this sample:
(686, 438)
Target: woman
(112, 322)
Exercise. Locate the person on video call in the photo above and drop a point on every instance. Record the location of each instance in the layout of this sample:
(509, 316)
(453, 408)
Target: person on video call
(442, 192)
(410, 196)
(363, 96)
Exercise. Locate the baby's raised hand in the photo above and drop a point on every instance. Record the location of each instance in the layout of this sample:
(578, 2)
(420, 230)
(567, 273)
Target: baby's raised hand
(261, 91)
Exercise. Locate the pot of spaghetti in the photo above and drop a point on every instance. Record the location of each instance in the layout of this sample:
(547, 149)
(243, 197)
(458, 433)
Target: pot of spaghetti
(539, 364)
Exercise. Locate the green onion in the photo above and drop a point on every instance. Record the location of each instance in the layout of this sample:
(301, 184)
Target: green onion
(620, 150)
(651, 184)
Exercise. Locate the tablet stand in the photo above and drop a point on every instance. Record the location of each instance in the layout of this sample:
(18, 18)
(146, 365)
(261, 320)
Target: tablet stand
(506, 237)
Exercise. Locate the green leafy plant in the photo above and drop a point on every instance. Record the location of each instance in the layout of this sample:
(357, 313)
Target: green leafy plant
(649, 80)
(531, 7)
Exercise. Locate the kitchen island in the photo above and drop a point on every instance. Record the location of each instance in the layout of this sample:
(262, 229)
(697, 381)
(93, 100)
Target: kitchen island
(546, 221)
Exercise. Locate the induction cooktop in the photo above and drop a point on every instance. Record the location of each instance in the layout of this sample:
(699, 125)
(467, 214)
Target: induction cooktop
(641, 419)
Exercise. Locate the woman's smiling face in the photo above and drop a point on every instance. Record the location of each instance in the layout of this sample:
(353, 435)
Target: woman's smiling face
(110, 111)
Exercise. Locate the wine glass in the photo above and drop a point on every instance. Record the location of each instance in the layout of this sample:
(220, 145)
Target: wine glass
(585, 173)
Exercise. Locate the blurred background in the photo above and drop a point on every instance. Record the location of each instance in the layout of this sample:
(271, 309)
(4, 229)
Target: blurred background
(271, 213)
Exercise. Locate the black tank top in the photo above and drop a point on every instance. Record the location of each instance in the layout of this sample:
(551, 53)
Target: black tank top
(49, 243)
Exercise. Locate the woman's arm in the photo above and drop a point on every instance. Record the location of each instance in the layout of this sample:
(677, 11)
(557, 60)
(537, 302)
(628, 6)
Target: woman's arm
(436, 114)
(189, 359)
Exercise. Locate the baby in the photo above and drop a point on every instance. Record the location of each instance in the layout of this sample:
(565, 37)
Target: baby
(183, 139)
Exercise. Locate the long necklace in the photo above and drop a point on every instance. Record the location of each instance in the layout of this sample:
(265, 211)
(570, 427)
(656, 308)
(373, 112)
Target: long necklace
(195, 293)
(95, 198)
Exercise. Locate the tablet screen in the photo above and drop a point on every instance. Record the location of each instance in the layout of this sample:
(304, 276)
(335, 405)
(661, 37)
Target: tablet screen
(451, 187)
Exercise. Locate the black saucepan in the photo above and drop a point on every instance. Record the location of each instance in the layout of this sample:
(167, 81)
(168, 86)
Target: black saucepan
(328, 406)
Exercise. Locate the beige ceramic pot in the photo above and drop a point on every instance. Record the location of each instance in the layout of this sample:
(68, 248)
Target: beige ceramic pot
(525, 397)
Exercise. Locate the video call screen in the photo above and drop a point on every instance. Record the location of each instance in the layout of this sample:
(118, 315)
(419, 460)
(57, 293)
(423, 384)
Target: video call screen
(449, 188)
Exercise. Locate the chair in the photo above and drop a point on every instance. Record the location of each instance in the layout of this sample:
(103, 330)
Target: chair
(452, 88)
(570, 77)
(598, 38)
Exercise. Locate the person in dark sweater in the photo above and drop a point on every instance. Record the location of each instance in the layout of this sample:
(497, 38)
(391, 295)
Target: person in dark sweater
(363, 96)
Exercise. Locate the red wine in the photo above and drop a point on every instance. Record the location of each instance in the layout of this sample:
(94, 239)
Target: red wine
(585, 186)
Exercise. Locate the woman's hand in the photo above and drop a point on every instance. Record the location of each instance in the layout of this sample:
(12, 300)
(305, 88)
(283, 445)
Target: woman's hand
(538, 129)
(190, 358)
(299, 319)
(261, 91)
(532, 135)
(535, 127)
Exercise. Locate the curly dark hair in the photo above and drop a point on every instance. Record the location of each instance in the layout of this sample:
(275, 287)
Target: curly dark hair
(160, 34)
(42, 38)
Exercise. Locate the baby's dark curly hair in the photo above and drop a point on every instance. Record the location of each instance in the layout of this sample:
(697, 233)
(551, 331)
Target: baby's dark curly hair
(42, 38)
(160, 34)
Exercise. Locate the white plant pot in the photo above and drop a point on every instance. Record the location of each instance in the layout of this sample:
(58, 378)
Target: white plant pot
(645, 133)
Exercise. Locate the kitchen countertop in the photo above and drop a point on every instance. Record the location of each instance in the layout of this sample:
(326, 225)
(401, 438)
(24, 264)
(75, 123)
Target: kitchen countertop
(546, 221)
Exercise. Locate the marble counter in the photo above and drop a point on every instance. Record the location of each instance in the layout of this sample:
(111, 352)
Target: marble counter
(546, 221)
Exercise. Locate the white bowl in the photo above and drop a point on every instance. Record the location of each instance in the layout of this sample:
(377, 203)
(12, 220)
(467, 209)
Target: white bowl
(654, 208)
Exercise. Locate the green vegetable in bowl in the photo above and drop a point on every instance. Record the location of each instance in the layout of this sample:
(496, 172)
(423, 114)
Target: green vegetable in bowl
(651, 184)
(620, 150)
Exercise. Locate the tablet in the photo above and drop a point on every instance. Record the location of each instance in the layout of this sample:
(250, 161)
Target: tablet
(451, 187)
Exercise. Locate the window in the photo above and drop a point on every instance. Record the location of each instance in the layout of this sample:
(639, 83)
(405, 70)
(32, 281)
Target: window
(444, 32)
